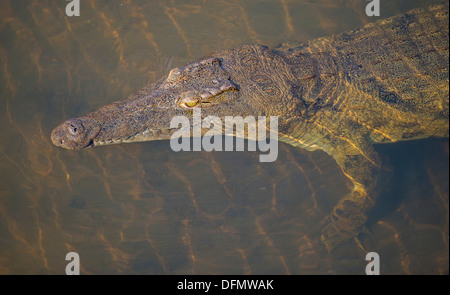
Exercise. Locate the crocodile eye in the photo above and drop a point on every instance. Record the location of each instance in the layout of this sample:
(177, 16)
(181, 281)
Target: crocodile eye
(76, 128)
(191, 102)
(189, 99)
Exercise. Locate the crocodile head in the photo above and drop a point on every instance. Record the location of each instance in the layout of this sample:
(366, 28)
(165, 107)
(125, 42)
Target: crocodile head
(250, 80)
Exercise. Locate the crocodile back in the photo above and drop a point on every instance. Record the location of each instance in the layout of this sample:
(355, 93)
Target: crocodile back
(390, 77)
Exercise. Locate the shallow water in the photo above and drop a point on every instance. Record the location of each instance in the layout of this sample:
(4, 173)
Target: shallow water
(143, 209)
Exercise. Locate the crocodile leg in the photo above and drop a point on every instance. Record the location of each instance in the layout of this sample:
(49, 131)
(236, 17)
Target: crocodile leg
(362, 166)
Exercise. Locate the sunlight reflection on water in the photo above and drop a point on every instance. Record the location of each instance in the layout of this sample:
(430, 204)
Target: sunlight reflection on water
(140, 208)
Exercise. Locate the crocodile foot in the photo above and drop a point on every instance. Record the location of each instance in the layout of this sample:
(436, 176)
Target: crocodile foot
(346, 221)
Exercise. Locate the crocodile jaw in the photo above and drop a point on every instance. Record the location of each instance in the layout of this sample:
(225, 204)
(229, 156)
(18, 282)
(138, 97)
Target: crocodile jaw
(146, 135)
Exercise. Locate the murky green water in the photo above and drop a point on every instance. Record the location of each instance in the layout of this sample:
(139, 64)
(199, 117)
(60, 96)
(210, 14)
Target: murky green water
(143, 209)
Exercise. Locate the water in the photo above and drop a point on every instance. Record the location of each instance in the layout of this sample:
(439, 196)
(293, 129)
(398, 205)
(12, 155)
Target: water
(143, 209)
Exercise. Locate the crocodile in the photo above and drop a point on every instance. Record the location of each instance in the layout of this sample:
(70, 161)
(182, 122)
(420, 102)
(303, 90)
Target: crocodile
(382, 83)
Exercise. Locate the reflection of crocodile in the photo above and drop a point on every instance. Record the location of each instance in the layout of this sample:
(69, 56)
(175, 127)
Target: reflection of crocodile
(383, 83)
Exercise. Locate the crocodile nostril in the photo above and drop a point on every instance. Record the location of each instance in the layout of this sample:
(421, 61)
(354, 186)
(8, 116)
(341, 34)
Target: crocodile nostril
(75, 128)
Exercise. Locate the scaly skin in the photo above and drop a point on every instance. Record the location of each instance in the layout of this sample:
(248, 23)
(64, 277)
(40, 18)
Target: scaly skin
(383, 83)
